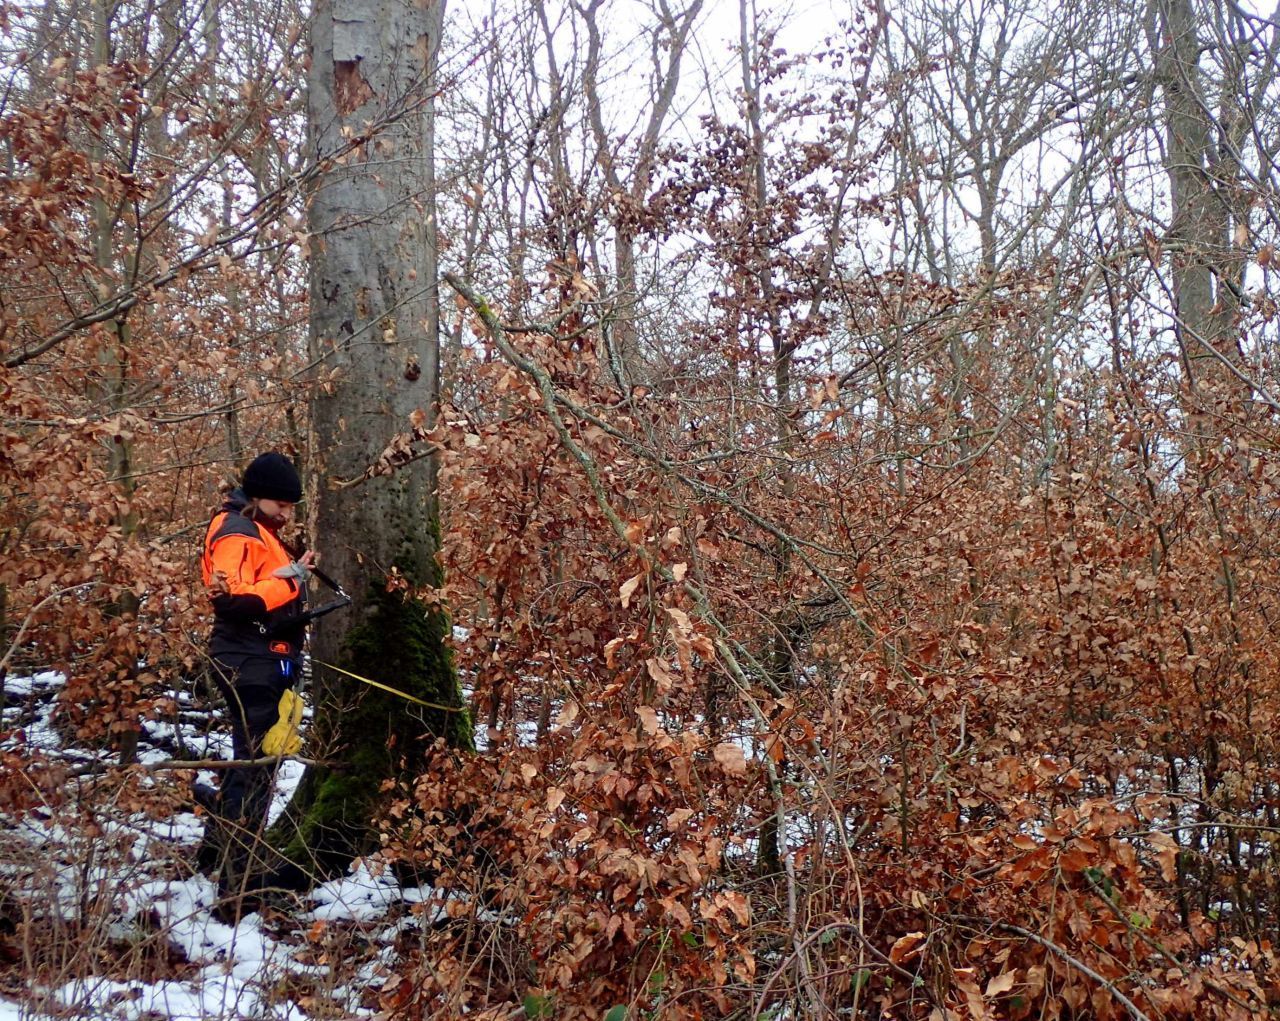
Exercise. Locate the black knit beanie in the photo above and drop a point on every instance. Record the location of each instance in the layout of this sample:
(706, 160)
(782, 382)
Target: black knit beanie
(272, 476)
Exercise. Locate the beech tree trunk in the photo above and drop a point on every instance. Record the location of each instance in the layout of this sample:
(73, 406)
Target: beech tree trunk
(1207, 268)
(373, 338)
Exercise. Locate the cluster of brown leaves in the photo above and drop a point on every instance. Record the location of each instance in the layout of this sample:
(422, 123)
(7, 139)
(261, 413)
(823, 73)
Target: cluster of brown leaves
(871, 689)
(1015, 732)
(144, 348)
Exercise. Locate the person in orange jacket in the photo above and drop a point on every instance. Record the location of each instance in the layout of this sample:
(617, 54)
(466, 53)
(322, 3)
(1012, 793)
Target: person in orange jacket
(258, 590)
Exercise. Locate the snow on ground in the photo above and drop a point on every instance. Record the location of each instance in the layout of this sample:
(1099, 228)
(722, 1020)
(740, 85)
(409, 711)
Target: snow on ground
(21, 687)
(362, 895)
(136, 873)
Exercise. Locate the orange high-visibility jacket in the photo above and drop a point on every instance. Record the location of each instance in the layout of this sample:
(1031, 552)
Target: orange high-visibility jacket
(255, 615)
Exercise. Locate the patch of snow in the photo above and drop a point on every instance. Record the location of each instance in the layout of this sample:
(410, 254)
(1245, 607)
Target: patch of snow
(288, 776)
(359, 896)
(45, 680)
(151, 756)
(160, 730)
(126, 863)
(40, 732)
(215, 996)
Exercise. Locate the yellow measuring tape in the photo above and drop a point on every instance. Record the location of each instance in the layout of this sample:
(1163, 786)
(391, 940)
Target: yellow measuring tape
(394, 691)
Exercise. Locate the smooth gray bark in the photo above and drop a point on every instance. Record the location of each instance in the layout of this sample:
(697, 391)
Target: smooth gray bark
(375, 351)
(372, 321)
(1201, 158)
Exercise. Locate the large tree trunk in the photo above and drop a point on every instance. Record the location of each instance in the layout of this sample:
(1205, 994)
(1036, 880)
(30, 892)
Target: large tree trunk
(374, 343)
(1207, 270)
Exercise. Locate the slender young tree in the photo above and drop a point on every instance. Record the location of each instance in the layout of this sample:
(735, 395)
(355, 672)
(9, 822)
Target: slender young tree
(630, 186)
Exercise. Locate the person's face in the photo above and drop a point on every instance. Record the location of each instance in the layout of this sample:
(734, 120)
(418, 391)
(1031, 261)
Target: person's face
(276, 511)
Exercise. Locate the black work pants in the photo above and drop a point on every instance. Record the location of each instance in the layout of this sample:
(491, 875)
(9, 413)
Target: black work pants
(253, 709)
(252, 688)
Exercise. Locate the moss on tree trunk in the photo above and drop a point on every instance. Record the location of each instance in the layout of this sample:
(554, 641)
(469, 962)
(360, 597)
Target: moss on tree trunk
(402, 642)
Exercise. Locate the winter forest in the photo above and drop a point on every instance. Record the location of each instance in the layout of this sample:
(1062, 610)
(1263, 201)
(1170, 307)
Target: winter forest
(806, 476)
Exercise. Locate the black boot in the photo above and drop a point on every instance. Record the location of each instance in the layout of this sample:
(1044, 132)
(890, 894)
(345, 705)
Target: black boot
(242, 873)
(206, 798)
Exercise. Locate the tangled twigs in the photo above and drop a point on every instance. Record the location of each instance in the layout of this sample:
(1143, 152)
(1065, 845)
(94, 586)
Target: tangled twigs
(1134, 1011)
(808, 941)
(31, 616)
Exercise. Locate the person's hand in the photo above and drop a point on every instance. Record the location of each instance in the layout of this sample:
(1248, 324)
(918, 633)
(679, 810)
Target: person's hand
(218, 585)
(309, 559)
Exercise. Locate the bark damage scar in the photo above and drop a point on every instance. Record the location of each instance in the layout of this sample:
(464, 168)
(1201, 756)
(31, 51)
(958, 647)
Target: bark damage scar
(422, 50)
(350, 90)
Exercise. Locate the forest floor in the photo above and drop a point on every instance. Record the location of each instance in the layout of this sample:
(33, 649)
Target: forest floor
(104, 915)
